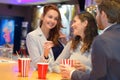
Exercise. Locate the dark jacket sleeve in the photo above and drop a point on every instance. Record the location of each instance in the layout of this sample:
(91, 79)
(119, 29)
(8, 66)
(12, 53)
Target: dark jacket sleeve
(79, 75)
(99, 50)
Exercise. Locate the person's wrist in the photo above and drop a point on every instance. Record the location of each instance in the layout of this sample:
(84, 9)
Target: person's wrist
(46, 57)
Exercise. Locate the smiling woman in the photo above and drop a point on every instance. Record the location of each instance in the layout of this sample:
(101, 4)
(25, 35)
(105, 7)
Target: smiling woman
(47, 34)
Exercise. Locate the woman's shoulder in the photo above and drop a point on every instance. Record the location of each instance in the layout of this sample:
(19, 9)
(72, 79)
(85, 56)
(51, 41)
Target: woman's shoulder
(69, 42)
(35, 32)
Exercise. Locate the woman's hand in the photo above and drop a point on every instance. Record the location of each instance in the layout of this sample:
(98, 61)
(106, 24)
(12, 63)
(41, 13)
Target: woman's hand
(66, 71)
(78, 65)
(47, 46)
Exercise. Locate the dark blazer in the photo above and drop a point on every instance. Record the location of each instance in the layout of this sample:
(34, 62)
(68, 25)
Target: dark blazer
(105, 56)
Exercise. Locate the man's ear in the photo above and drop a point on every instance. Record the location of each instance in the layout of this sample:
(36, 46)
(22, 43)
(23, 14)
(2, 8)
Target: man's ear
(103, 14)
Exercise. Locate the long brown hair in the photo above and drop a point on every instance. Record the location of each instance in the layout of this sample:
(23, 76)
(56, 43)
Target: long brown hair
(90, 32)
(54, 33)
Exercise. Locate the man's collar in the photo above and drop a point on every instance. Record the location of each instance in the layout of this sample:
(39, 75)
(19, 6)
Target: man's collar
(108, 27)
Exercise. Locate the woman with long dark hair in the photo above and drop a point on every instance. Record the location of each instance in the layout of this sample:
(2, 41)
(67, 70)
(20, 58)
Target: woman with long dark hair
(79, 48)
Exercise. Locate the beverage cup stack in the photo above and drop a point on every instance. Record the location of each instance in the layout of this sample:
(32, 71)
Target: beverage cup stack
(24, 66)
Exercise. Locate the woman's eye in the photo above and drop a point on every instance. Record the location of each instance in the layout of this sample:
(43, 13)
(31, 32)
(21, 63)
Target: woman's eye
(73, 21)
(56, 19)
(50, 16)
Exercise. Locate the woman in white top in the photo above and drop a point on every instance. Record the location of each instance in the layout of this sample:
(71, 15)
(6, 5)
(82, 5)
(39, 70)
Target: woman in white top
(45, 36)
(79, 48)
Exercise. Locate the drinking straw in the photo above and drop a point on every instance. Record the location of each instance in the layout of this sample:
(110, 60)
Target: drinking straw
(17, 54)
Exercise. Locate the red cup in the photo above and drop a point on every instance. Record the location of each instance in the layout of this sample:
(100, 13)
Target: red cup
(19, 64)
(24, 66)
(42, 70)
(67, 62)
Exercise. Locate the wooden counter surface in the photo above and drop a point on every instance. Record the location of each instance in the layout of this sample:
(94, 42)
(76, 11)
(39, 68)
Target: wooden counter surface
(9, 71)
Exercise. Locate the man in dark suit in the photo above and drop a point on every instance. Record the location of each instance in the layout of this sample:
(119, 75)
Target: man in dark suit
(106, 47)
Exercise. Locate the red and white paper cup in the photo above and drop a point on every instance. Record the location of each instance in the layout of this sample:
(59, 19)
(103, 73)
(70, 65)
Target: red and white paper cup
(67, 62)
(24, 66)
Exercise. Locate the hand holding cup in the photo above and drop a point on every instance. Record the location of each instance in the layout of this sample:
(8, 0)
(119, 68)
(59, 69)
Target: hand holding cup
(78, 65)
(65, 71)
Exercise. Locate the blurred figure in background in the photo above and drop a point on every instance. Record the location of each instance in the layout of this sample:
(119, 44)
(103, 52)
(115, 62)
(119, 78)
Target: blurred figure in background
(6, 35)
(43, 43)
(79, 48)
